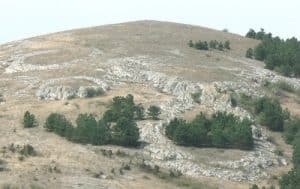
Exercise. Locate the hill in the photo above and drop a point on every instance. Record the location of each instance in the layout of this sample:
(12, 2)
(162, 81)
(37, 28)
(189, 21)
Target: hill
(152, 61)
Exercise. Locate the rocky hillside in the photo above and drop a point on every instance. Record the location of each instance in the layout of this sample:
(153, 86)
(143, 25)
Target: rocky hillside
(152, 61)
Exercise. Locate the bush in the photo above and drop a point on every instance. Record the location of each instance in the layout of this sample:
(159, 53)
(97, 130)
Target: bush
(222, 130)
(190, 43)
(29, 120)
(249, 53)
(28, 150)
(196, 97)
(58, 124)
(154, 112)
(93, 92)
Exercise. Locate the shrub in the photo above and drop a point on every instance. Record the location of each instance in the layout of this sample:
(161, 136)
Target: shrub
(29, 120)
(196, 97)
(154, 112)
(201, 45)
(249, 53)
(58, 124)
(291, 128)
(93, 92)
(191, 44)
(28, 150)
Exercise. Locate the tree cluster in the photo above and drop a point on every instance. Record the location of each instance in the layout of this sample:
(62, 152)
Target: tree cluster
(291, 180)
(222, 130)
(270, 113)
(278, 54)
(213, 44)
(117, 126)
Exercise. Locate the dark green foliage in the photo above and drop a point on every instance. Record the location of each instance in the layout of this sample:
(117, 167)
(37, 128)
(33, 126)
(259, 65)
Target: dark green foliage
(125, 132)
(227, 45)
(58, 124)
(154, 112)
(201, 45)
(196, 97)
(296, 153)
(254, 186)
(291, 180)
(28, 150)
(261, 35)
(220, 46)
(270, 113)
(139, 112)
(222, 130)
(90, 131)
(280, 55)
(92, 92)
(291, 128)
(249, 53)
(190, 43)
(251, 34)
(213, 44)
(120, 107)
(29, 120)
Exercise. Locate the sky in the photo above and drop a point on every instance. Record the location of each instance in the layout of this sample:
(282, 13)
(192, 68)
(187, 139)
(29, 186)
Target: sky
(27, 18)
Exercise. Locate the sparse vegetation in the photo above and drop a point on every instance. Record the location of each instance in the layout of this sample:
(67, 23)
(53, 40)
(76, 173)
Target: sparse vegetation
(222, 130)
(29, 120)
(213, 44)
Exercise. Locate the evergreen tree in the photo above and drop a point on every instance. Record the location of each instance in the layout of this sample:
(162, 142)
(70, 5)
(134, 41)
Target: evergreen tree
(125, 132)
(249, 53)
(251, 34)
(29, 120)
(227, 45)
(154, 112)
(58, 124)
